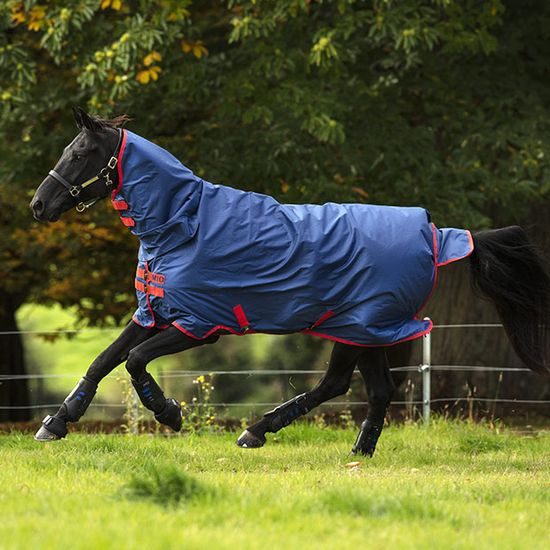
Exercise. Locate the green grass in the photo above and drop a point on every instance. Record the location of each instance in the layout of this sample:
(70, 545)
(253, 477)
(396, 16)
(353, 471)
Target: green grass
(453, 485)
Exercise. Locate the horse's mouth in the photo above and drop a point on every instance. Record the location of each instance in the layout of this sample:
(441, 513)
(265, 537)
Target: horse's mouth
(51, 219)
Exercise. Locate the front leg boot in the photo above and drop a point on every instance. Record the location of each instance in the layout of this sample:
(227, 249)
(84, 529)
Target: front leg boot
(74, 406)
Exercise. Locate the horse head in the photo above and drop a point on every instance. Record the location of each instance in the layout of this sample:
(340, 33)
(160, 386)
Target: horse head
(85, 172)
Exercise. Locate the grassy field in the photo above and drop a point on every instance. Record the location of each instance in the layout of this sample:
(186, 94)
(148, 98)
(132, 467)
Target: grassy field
(453, 485)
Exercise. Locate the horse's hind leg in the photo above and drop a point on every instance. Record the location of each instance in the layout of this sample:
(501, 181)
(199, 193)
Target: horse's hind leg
(171, 340)
(374, 367)
(75, 404)
(336, 381)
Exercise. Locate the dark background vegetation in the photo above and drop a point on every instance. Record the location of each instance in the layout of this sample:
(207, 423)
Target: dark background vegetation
(439, 103)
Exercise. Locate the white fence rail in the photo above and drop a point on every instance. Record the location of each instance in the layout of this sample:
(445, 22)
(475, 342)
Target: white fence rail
(425, 368)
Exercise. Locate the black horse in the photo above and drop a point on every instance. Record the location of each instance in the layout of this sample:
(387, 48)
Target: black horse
(505, 268)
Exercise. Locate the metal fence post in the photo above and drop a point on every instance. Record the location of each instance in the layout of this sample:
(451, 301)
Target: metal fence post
(134, 424)
(425, 369)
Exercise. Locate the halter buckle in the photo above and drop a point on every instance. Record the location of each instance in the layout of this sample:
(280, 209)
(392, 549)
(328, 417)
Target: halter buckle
(74, 191)
(112, 162)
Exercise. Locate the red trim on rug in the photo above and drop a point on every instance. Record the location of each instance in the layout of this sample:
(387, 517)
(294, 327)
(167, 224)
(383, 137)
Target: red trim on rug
(119, 166)
(128, 222)
(305, 331)
(213, 331)
(342, 341)
(327, 315)
(471, 240)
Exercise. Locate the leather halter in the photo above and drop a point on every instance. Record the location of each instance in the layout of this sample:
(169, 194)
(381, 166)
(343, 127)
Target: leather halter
(105, 173)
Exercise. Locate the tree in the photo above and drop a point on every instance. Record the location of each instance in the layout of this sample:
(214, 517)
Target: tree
(432, 102)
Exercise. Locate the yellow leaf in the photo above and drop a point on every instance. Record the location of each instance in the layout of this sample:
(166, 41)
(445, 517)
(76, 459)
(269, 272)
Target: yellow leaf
(151, 58)
(285, 187)
(17, 14)
(186, 46)
(113, 4)
(154, 72)
(199, 50)
(143, 77)
(35, 25)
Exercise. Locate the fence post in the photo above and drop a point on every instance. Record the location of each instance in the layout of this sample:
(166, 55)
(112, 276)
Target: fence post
(425, 369)
(134, 428)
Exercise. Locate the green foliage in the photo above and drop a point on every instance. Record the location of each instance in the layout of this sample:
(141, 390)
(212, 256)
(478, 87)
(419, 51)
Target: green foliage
(439, 103)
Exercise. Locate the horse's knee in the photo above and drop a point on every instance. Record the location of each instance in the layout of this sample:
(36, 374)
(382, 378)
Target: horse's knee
(136, 363)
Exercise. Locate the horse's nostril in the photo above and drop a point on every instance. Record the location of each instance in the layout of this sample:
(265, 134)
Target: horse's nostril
(37, 207)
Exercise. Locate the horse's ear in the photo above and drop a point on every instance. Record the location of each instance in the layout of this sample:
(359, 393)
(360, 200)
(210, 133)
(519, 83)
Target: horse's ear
(84, 120)
(77, 114)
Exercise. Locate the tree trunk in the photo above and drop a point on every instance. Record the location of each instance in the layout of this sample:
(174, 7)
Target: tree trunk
(13, 393)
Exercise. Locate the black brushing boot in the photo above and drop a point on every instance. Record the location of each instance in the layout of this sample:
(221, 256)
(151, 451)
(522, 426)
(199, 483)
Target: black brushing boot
(74, 406)
(167, 411)
(365, 443)
(274, 420)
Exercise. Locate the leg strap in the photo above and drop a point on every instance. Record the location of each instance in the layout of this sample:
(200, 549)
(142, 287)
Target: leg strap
(286, 413)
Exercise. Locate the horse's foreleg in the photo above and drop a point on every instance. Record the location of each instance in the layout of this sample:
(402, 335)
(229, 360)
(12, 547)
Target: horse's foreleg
(171, 340)
(336, 381)
(75, 404)
(373, 365)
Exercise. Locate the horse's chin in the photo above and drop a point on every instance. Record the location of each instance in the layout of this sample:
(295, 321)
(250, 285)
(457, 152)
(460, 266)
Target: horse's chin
(51, 218)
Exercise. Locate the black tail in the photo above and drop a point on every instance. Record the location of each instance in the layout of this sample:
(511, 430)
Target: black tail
(509, 270)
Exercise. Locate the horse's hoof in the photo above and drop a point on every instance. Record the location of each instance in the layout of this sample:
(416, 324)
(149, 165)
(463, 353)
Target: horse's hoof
(44, 435)
(247, 440)
(52, 428)
(365, 452)
(171, 415)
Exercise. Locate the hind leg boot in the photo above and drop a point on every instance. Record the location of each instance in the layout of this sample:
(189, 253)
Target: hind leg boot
(167, 411)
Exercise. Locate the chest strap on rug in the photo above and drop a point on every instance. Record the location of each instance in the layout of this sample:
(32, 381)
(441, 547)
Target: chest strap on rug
(148, 278)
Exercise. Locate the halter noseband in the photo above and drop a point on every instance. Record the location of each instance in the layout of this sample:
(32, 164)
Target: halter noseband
(105, 173)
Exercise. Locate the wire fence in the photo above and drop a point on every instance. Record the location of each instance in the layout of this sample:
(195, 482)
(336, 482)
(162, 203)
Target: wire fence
(425, 368)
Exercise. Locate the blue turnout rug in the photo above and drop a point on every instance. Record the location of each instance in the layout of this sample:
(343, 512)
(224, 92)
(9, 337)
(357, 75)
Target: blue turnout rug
(213, 259)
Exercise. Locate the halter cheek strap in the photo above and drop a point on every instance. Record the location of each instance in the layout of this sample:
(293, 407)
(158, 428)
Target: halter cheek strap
(104, 173)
